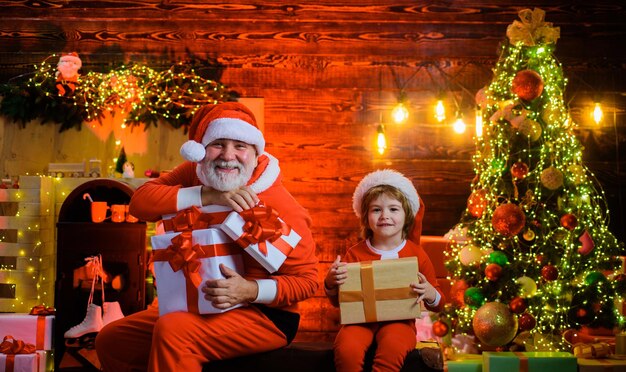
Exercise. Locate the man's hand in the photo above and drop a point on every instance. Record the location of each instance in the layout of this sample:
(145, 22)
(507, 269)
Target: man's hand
(238, 199)
(234, 290)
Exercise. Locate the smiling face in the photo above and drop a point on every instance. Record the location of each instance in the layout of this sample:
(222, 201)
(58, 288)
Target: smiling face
(386, 217)
(228, 164)
(377, 203)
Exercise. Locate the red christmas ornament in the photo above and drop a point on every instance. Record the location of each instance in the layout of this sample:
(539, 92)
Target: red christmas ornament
(477, 202)
(518, 305)
(457, 293)
(549, 272)
(527, 85)
(519, 170)
(569, 221)
(3, 185)
(586, 242)
(440, 328)
(508, 219)
(540, 259)
(493, 271)
(526, 322)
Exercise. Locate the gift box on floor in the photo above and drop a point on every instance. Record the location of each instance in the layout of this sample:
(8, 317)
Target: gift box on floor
(601, 365)
(464, 363)
(32, 329)
(532, 361)
(263, 235)
(40, 361)
(379, 291)
(184, 261)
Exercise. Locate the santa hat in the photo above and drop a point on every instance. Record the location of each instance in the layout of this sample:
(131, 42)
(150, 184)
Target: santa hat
(229, 120)
(385, 177)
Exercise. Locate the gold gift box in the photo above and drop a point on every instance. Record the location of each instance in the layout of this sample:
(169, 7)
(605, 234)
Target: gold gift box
(379, 291)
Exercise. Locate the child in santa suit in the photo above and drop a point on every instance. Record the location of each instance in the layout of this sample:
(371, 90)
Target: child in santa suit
(227, 166)
(389, 208)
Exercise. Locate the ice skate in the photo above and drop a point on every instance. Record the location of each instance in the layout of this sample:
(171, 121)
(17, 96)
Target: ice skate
(84, 333)
(112, 312)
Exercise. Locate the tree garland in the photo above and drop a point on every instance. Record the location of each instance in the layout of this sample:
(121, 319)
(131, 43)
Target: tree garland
(147, 95)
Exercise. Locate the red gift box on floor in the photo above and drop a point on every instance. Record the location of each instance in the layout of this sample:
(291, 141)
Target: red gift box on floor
(184, 261)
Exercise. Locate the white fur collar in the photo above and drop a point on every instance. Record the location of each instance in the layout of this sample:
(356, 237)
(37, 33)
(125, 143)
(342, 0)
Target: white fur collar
(269, 175)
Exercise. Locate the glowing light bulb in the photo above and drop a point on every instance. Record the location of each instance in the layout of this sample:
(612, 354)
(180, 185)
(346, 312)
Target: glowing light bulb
(597, 113)
(381, 141)
(440, 111)
(400, 113)
(459, 126)
(479, 123)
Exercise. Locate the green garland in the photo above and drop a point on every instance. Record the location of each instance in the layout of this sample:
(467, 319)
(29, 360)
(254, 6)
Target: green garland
(171, 95)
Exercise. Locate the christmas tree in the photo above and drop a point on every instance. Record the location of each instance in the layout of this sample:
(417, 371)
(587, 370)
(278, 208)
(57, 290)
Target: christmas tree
(535, 258)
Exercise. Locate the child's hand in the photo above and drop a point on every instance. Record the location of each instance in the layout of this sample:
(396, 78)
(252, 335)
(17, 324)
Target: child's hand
(337, 274)
(424, 289)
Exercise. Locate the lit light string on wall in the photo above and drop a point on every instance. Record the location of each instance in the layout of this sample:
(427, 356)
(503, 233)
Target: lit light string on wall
(146, 94)
(464, 102)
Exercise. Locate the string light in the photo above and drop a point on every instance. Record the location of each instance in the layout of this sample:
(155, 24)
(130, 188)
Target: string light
(459, 125)
(381, 141)
(440, 111)
(597, 113)
(479, 122)
(400, 113)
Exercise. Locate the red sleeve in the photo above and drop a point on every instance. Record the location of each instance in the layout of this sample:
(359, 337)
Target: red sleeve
(297, 278)
(157, 197)
(425, 267)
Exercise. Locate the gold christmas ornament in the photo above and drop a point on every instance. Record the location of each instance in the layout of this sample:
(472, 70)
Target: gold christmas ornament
(530, 129)
(528, 287)
(551, 178)
(531, 29)
(494, 324)
(470, 255)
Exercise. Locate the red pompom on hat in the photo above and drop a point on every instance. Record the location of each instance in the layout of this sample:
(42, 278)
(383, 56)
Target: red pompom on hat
(385, 177)
(229, 120)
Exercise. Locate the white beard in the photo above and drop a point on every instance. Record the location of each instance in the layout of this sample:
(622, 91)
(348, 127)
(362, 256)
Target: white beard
(208, 175)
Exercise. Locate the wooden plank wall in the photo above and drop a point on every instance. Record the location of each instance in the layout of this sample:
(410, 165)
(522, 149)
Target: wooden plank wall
(329, 72)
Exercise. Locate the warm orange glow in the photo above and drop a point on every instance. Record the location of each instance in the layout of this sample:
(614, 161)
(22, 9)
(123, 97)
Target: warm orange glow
(440, 111)
(479, 123)
(381, 141)
(597, 113)
(400, 113)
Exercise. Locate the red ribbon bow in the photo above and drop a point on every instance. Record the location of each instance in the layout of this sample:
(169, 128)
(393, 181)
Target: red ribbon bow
(10, 345)
(262, 224)
(42, 310)
(189, 219)
(183, 255)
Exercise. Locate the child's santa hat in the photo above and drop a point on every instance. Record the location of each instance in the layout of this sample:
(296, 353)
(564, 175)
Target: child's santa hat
(385, 177)
(229, 120)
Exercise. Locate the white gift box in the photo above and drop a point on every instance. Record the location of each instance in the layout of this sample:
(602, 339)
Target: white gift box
(175, 291)
(35, 362)
(32, 329)
(277, 251)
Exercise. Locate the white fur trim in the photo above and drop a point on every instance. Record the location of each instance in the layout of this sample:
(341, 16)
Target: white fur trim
(268, 177)
(385, 177)
(192, 151)
(234, 129)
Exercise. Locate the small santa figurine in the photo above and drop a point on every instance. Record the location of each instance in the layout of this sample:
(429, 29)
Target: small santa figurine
(67, 73)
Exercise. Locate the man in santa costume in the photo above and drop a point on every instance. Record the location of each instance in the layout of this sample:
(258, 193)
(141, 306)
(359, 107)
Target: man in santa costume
(226, 166)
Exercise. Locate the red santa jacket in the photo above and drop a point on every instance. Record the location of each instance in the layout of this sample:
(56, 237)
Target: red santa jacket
(297, 278)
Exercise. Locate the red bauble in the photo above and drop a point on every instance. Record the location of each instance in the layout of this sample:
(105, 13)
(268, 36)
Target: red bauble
(440, 328)
(493, 271)
(457, 293)
(519, 170)
(569, 221)
(518, 305)
(549, 272)
(3, 186)
(508, 219)
(477, 202)
(527, 85)
(526, 322)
